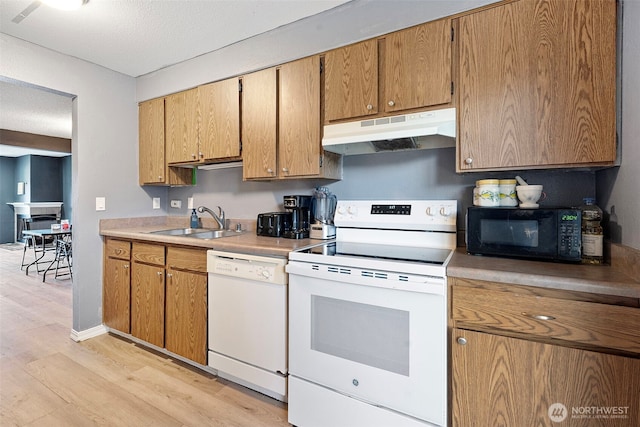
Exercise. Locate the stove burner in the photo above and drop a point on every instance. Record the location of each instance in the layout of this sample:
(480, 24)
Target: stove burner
(383, 252)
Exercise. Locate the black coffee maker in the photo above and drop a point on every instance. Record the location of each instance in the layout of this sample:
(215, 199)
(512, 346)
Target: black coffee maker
(300, 208)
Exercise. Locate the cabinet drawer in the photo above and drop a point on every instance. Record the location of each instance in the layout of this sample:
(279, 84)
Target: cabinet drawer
(120, 249)
(187, 259)
(148, 253)
(583, 322)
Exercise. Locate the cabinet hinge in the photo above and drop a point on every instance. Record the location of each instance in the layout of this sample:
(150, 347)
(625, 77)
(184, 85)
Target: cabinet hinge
(321, 67)
(452, 88)
(453, 33)
(239, 86)
(321, 160)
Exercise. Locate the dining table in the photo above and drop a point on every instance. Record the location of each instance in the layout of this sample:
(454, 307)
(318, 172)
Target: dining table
(42, 236)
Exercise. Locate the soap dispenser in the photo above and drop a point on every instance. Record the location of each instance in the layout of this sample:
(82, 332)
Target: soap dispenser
(194, 219)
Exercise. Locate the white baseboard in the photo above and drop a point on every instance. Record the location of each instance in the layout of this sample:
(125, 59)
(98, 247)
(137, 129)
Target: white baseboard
(78, 336)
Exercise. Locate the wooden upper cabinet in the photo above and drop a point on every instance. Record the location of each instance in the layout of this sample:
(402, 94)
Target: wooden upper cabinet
(151, 142)
(219, 130)
(537, 85)
(351, 81)
(153, 168)
(414, 66)
(181, 127)
(259, 119)
(417, 66)
(299, 118)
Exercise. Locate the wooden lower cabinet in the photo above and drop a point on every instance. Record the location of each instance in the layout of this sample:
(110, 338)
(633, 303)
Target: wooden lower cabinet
(116, 296)
(504, 381)
(147, 303)
(186, 315)
(186, 304)
(148, 292)
(162, 300)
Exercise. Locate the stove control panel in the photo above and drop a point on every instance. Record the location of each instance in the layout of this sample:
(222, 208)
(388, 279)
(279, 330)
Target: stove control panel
(427, 215)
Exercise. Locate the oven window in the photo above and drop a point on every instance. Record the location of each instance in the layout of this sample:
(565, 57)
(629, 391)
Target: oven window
(368, 334)
(521, 233)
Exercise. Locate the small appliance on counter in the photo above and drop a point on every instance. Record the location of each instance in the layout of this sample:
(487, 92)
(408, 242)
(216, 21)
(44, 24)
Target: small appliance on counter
(273, 224)
(300, 209)
(551, 234)
(323, 208)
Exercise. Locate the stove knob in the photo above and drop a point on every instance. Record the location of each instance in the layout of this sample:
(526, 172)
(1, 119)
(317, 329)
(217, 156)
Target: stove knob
(430, 211)
(444, 211)
(341, 210)
(352, 210)
(266, 274)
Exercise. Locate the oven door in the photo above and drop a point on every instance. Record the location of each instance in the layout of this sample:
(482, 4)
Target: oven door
(371, 338)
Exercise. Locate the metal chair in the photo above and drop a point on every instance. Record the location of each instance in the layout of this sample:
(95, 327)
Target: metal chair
(39, 245)
(64, 256)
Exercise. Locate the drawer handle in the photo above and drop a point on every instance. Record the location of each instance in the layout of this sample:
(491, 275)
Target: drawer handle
(538, 316)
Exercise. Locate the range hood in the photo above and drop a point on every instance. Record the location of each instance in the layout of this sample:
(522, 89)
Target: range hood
(415, 131)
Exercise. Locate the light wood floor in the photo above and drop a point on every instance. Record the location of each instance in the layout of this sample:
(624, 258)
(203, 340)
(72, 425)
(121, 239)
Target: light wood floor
(47, 379)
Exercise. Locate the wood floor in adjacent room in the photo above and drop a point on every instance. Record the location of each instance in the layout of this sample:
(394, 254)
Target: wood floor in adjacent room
(47, 379)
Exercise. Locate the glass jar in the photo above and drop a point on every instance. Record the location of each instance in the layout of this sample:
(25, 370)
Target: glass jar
(592, 235)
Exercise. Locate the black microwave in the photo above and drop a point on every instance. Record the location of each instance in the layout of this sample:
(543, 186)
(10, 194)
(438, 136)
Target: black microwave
(552, 234)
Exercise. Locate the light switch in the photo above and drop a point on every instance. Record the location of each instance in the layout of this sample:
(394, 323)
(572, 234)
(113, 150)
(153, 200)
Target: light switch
(156, 203)
(189, 202)
(101, 204)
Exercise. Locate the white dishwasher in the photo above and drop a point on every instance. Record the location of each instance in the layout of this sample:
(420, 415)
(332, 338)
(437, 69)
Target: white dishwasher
(247, 320)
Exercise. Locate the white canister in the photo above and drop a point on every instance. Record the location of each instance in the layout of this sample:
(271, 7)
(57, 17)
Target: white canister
(508, 196)
(487, 193)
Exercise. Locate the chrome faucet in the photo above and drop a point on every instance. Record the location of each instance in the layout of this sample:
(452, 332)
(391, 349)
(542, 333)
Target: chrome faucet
(219, 218)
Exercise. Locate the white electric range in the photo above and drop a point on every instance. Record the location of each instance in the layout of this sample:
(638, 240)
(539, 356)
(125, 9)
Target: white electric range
(367, 317)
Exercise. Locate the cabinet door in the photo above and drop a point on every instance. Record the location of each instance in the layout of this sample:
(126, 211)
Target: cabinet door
(417, 66)
(181, 127)
(219, 105)
(147, 303)
(537, 85)
(116, 298)
(512, 382)
(351, 81)
(259, 124)
(186, 315)
(299, 118)
(151, 142)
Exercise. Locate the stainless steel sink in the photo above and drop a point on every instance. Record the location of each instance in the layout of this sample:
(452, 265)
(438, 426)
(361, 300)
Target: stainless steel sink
(199, 233)
(180, 231)
(215, 234)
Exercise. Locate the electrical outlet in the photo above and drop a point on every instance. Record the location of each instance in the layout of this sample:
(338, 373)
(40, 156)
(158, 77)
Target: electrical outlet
(156, 203)
(101, 204)
(176, 204)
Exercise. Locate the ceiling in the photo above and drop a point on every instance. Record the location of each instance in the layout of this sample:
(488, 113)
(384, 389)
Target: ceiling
(133, 37)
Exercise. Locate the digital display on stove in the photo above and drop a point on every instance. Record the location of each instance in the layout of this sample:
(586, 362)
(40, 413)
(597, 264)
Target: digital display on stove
(390, 209)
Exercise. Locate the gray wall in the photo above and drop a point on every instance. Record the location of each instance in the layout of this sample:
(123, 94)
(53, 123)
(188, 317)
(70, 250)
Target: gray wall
(8, 188)
(46, 179)
(67, 205)
(427, 174)
(104, 142)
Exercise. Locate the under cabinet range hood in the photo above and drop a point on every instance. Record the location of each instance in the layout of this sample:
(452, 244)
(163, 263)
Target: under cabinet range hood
(414, 131)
